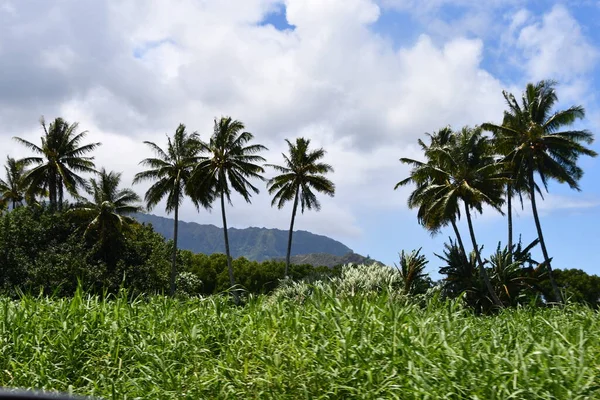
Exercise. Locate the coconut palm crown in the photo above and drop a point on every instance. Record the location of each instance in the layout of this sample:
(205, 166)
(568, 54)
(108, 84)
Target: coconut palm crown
(537, 145)
(61, 157)
(300, 177)
(229, 164)
(12, 191)
(171, 170)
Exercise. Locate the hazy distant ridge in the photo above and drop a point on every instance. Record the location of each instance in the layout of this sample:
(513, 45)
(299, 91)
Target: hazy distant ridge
(253, 243)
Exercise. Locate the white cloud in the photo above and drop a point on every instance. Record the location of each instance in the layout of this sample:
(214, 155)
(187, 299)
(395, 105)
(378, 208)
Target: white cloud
(554, 202)
(451, 18)
(140, 68)
(555, 47)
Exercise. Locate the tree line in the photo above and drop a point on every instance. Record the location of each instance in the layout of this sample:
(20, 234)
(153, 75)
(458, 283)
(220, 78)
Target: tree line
(204, 172)
(463, 171)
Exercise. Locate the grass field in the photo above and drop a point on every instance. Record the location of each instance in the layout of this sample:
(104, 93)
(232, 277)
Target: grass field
(362, 346)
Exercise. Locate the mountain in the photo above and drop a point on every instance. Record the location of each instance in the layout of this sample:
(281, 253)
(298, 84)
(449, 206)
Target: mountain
(253, 243)
(330, 260)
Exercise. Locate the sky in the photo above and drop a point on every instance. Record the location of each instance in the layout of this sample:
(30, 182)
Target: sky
(364, 79)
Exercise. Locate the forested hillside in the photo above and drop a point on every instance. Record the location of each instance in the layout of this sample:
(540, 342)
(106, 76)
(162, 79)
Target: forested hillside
(255, 244)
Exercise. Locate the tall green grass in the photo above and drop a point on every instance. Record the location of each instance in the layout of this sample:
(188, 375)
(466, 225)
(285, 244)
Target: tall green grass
(321, 346)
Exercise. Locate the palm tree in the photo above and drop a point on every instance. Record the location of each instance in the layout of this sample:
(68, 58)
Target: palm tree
(301, 174)
(424, 175)
(473, 177)
(230, 163)
(60, 158)
(462, 170)
(106, 214)
(171, 169)
(13, 189)
(516, 183)
(538, 146)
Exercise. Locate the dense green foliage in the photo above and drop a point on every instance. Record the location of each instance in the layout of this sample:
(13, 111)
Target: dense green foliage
(48, 251)
(363, 345)
(253, 243)
(577, 286)
(43, 250)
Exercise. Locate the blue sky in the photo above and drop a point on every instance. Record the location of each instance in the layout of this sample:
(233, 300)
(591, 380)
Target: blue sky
(574, 249)
(362, 78)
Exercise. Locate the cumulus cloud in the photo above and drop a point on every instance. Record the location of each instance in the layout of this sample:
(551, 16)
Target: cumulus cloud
(556, 47)
(132, 70)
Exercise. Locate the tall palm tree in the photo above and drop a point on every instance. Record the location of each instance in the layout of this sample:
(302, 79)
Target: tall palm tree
(59, 159)
(540, 147)
(230, 163)
(516, 183)
(473, 177)
(14, 188)
(424, 175)
(107, 213)
(464, 170)
(171, 169)
(301, 174)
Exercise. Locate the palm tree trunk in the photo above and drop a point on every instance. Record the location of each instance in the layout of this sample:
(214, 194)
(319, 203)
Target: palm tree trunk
(458, 237)
(538, 226)
(60, 191)
(482, 271)
(289, 246)
(229, 266)
(52, 189)
(174, 258)
(510, 221)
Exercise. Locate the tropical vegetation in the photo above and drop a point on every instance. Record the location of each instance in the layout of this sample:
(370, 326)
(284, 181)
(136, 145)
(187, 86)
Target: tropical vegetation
(59, 160)
(331, 343)
(171, 169)
(533, 141)
(301, 174)
(82, 284)
(229, 164)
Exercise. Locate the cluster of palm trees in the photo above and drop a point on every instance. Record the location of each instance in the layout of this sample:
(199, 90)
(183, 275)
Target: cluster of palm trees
(463, 171)
(188, 167)
(472, 169)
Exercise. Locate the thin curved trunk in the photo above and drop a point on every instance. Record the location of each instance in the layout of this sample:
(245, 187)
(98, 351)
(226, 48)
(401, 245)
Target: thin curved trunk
(174, 257)
(229, 266)
(482, 271)
(289, 246)
(458, 238)
(509, 195)
(538, 226)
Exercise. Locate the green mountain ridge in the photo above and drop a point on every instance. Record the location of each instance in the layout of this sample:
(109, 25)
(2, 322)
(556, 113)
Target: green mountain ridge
(257, 244)
(330, 260)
